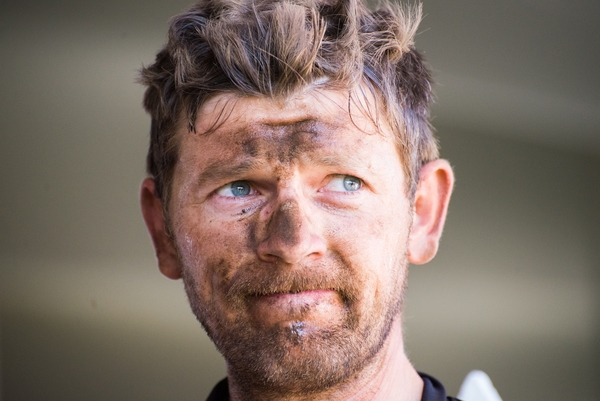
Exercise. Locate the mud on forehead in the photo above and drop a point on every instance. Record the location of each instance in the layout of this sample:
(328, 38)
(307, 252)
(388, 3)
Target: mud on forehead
(305, 142)
(331, 105)
(302, 127)
(286, 143)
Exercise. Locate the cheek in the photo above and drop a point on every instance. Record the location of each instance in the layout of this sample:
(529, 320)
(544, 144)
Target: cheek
(212, 251)
(373, 246)
(368, 235)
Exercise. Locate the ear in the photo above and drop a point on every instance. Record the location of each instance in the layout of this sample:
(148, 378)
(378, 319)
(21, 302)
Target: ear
(152, 210)
(436, 180)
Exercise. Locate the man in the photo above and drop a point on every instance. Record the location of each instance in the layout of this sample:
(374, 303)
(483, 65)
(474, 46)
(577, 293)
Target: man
(293, 176)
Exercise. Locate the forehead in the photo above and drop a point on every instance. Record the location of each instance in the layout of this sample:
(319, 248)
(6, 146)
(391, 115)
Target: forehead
(328, 106)
(311, 126)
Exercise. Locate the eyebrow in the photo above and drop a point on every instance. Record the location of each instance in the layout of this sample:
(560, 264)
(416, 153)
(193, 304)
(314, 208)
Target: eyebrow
(224, 170)
(343, 162)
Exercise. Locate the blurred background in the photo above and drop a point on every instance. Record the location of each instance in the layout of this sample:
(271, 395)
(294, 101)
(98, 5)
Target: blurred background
(85, 314)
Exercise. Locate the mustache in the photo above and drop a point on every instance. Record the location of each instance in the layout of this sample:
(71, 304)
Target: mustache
(253, 280)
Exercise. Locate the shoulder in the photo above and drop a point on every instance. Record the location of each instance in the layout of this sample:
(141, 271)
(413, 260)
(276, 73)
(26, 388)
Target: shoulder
(433, 390)
(220, 392)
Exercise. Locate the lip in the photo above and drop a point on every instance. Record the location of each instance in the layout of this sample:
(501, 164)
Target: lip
(307, 296)
(282, 307)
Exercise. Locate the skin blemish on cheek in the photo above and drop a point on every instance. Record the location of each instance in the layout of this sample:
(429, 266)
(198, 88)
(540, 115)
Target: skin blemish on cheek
(221, 270)
(246, 212)
(251, 235)
(219, 273)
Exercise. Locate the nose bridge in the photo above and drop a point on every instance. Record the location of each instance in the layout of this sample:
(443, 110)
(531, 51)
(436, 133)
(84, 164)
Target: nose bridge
(290, 235)
(288, 221)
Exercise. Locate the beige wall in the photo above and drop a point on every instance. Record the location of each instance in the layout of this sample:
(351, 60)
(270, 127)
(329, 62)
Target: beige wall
(514, 289)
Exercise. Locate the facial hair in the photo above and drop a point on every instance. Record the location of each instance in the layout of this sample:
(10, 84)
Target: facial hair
(260, 359)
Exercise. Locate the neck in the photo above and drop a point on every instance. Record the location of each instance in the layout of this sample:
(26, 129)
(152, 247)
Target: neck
(389, 377)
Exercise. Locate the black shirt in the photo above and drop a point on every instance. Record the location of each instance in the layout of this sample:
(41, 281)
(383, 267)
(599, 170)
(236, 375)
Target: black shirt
(432, 390)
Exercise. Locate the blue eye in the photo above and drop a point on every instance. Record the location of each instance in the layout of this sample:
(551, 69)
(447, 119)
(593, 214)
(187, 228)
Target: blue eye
(344, 183)
(236, 189)
(352, 183)
(240, 188)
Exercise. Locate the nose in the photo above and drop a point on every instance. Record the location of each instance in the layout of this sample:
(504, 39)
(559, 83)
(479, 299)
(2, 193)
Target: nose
(290, 236)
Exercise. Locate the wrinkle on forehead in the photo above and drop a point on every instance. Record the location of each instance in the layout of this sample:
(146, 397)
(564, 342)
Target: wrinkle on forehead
(215, 113)
(359, 106)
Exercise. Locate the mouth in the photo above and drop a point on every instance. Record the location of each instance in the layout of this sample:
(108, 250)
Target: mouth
(291, 306)
(296, 296)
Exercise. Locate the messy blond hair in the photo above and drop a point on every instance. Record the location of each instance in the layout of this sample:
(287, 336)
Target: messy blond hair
(275, 48)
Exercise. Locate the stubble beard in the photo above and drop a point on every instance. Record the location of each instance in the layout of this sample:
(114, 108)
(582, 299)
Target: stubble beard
(285, 359)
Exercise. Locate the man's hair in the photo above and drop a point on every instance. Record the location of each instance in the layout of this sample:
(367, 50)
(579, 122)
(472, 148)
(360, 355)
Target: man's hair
(276, 48)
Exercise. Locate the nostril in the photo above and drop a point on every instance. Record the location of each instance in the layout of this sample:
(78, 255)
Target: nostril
(267, 253)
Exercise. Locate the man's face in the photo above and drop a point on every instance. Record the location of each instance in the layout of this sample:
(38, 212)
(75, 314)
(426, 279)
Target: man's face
(291, 224)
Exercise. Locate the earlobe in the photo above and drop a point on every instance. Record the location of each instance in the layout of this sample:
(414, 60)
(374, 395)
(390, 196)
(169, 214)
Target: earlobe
(152, 211)
(436, 180)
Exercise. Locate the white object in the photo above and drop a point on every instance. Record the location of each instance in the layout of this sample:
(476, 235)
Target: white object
(478, 387)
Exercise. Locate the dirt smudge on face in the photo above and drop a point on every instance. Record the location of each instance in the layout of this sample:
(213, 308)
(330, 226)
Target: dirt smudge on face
(296, 332)
(251, 147)
(285, 222)
(296, 140)
(284, 143)
(252, 242)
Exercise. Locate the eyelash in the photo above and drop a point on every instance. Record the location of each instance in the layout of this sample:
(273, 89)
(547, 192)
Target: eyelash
(346, 180)
(239, 186)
